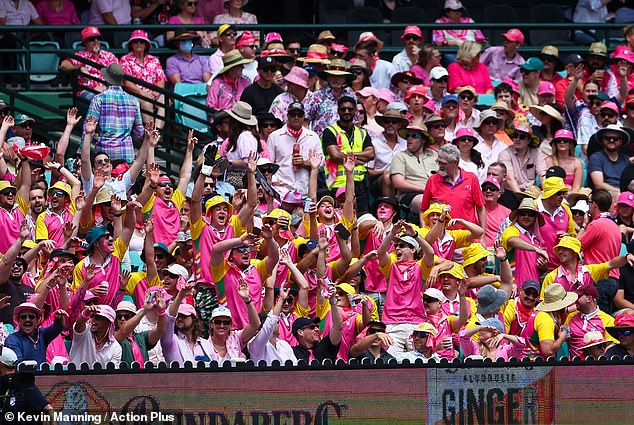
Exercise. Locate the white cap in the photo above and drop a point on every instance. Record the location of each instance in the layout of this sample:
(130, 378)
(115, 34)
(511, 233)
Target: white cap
(178, 270)
(399, 106)
(221, 311)
(437, 73)
(16, 140)
(581, 205)
(8, 357)
(434, 293)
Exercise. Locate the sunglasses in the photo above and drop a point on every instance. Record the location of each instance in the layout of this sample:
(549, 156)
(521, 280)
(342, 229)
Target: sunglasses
(296, 114)
(442, 80)
(624, 333)
(293, 49)
(612, 138)
(57, 194)
(124, 316)
(527, 213)
(9, 192)
(26, 125)
(192, 3)
(29, 316)
(490, 122)
(244, 249)
(392, 122)
(289, 300)
(182, 316)
(519, 136)
(357, 71)
(347, 108)
(466, 140)
(166, 184)
(102, 161)
(269, 125)
(93, 39)
(413, 135)
(596, 103)
(607, 114)
(209, 184)
(410, 37)
(525, 71)
(373, 331)
(229, 34)
(490, 189)
(466, 97)
(402, 245)
(630, 107)
(267, 169)
(407, 81)
(222, 322)
(311, 327)
(562, 141)
(437, 126)
(419, 334)
(430, 300)
(268, 69)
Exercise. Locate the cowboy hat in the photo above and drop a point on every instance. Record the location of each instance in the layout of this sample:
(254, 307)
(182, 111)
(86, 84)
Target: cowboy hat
(556, 298)
(530, 205)
(232, 59)
(390, 115)
(243, 113)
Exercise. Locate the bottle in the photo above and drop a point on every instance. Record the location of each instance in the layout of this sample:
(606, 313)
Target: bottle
(296, 152)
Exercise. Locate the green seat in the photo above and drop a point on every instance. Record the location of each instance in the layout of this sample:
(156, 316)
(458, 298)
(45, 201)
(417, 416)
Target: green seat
(78, 46)
(486, 99)
(44, 61)
(198, 94)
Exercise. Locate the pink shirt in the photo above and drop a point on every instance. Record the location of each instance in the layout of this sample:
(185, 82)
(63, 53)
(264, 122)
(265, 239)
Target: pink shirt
(104, 58)
(10, 222)
(66, 16)
(403, 301)
(442, 324)
(54, 224)
(374, 281)
(204, 239)
(601, 242)
(149, 71)
(495, 217)
(504, 351)
(223, 94)
(479, 77)
(580, 324)
(420, 72)
(560, 221)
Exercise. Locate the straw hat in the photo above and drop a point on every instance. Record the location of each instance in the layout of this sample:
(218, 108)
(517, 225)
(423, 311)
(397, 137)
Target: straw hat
(503, 106)
(536, 110)
(583, 193)
(325, 35)
(592, 338)
(337, 67)
(390, 115)
(362, 65)
(530, 205)
(427, 328)
(317, 53)
(243, 113)
(232, 59)
(556, 298)
(369, 37)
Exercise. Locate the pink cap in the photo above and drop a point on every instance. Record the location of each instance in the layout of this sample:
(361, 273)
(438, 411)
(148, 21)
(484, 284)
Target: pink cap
(623, 53)
(412, 30)
(564, 134)
(430, 106)
(465, 132)
(272, 36)
(511, 83)
(342, 48)
(340, 191)
(609, 105)
(626, 198)
(514, 35)
(546, 87)
(293, 197)
(386, 95)
(491, 180)
(368, 91)
(187, 310)
(246, 39)
(90, 32)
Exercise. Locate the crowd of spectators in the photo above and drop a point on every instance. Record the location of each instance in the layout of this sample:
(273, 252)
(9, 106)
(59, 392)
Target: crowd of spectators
(347, 206)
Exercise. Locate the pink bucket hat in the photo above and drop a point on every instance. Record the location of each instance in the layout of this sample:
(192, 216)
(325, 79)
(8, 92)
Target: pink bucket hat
(90, 32)
(386, 95)
(465, 132)
(139, 35)
(297, 76)
(273, 37)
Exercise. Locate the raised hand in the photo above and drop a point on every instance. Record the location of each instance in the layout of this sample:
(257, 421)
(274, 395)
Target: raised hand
(314, 159)
(252, 163)
(61, 314)
(267, 231)
(90, 125)
(149, 226)
(25, 230)
(115, 203)
(463, 285)
(71, 117)
(285, 257)
(124, 278)
(371, 255)
(243, 289)
(7, 123)
(4, 302)
(249, 239)
(99, 179)
(52, 165)
(153, 173)
(379, 229)
(192, 141)
(90, 272)
(80, 202)
(68, 230)
(500, 252)
(349, 162)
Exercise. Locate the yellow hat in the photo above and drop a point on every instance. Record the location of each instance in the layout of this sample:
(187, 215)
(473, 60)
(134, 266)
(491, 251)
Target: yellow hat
(277, 213)
(5, 184)
(434, 208)
(426, 327)
(347, 288)
(456, 271)
(474, 253)
(217, 200)
(569, 242)
(553, 186)
(64, 187)
(28, 243)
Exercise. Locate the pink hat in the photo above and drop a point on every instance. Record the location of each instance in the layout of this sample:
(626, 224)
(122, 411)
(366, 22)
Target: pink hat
(546, 87)
(491, 180)
(273, 36)
(246, 39)
(109, 313)
(164, 179)
(159, 288)
(623, 53)
(386, 95)
(368, 91)
(609, 105)
(187, 310)
(564, 134)
(293, 197)
(340, 191)
(626, 198)
(342, 48)
(139, 35)
(512, 83)
(430, 106)
(297, 76)
(23, 307)
(90, 32)
(465, 132)
(412, 30)
(89, 296)
(514, 35)
(420, 90)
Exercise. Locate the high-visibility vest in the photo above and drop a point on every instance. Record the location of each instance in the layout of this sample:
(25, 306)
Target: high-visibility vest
(337, 178)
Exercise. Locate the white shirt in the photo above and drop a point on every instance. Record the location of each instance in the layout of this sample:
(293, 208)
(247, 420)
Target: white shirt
(250, 70)
(260, 348)
(84, 350)
(382, 73)
(414, 355)
(401, 62)
(120, 186)
(489, 154)
(383, 153)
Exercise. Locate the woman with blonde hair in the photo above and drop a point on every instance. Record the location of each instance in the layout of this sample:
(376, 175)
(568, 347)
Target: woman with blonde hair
(467, 70)
(563, 155)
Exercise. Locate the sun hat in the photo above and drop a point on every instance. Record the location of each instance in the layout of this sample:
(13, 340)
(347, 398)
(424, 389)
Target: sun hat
(189, 310)
(456, 271)
(369, 37)
(412, 30)
(556, 298)
(245, 39)
(126, 306)
(90, 32)
(62, 252)
(298, 76)
(530, 205)
(546, 109)
(232, 59)
(293, 197)
(103, 196)
(317, 53)
(423, 130)
(272, 37)
(419, 90)
(553, 186)
(63, 186)
(243, 113)
(454, 5)
(95, 233)
(493, 322)
(336, 68)
(218, 200)
(427, 328)
(107, 312)
(469, 89)
(473, 253)
(581, 205)
(386, 95)
(398, 106)
(356, 63)
(623, 53)
(569, 242)
(490, 299)
(326, 35)
(435, 207)
(113, 74)
(622, 322)
(583, 193)
(434, 293)
(613, 128)
(178, 270)
(410, 241)
(465, 132)
(598, 49)
(501, 105)
(546, 87)
(302, 322)
(346, 287)
(326, 198)
(524, 127)
(514, 35)
(139, 35)
(487, 114)
(552, 52)
(592, 338)
(391, 115)
(340, 48)
(405, 75)
(26, 306)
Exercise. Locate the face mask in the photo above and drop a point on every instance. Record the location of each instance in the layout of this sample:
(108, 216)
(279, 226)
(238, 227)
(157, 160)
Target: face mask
(186, 46)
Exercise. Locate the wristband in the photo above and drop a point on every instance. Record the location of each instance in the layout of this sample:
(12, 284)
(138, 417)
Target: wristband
(248, 302)
(85, 314)
(118, 214)
(206, 170)
(60, 168)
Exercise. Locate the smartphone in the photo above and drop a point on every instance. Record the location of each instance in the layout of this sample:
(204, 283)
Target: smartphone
(151, 297)
(343, 232)
(308, 204)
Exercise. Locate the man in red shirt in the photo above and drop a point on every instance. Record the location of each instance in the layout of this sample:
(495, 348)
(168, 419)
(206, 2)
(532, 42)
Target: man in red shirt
(456, 187)
(601, 242)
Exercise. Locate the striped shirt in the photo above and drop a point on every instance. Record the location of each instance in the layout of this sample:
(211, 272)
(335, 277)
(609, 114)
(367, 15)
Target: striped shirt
(119, 117)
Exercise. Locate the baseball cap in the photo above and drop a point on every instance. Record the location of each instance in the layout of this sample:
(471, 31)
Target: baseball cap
(533, 64)
(437, 73)
(589, 290)
(8, 356)
(514, 35)
(221, 311)
(449, 98)
(573, 58)
(265, 62)
(532, 284)
(303, 322)
(556, 171)
(295, 106)
(546, 87)
(491, 180)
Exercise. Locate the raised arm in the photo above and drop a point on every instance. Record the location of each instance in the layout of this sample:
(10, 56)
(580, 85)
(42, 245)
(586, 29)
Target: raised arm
(186, 168)
(252, 327)
(272, 248)
(90, 126)
(151, 137)
(62, 145)
(346, 255)
(315, 162)
(75, 184)
(8, 260)
(337, 322)
(246, 212)
(219, 249)
(437, 230)
(569, 95)
(384, 256)
(24, 175)
(132, 209)
(348, 205)
(152, 177)
(148, 248)
(461, 320)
